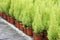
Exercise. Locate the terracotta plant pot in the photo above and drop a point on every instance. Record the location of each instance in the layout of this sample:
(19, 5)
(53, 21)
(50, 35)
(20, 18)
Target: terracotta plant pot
(4, 16)
(0, 13)
(8, 18)
(12, 21)
(25, 30)
(21, 27)
(29, 31)
(37, 36)
(17, 24)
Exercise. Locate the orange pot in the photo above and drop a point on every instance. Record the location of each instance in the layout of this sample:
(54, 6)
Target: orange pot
(21, 27)
(37, 36)
(0, 13)
(17, 24)
(8, 18)
(4, 16)
(29, 31)
(25, 30)
(12, 21)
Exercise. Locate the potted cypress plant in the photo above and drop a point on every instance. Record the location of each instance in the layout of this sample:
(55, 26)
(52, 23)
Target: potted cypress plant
(1, 4)
(37, 27)
(8, 2)
(17, 11)
(11, 10)
(37, 24)
(4, 14)
(46, 21)
(26, 19)
(20, 20)
(22, 6)
(5, 8)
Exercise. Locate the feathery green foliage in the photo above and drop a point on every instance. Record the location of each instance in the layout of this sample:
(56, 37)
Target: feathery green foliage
(5, 4)
(11, 10)
(53, 27)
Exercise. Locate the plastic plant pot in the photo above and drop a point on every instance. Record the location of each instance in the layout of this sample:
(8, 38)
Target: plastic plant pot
(25, 30)
(29, 31)
(12, 21)
(8, 18)
(21, 27)
(4, 16)
(17, 24)
(37, 36)
(0, 13)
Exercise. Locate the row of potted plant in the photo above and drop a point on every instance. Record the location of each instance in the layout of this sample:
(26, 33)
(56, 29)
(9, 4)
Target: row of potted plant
(27, 21)
(37, 18)
(26, 18)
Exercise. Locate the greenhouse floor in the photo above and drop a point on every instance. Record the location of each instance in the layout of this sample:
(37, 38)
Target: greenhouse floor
(10, 32)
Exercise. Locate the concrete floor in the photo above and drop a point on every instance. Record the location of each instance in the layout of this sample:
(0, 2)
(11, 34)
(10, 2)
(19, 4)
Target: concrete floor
(8, 33)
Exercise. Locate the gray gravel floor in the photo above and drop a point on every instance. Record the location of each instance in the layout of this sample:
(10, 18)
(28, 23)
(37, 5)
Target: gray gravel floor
(8, 33)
